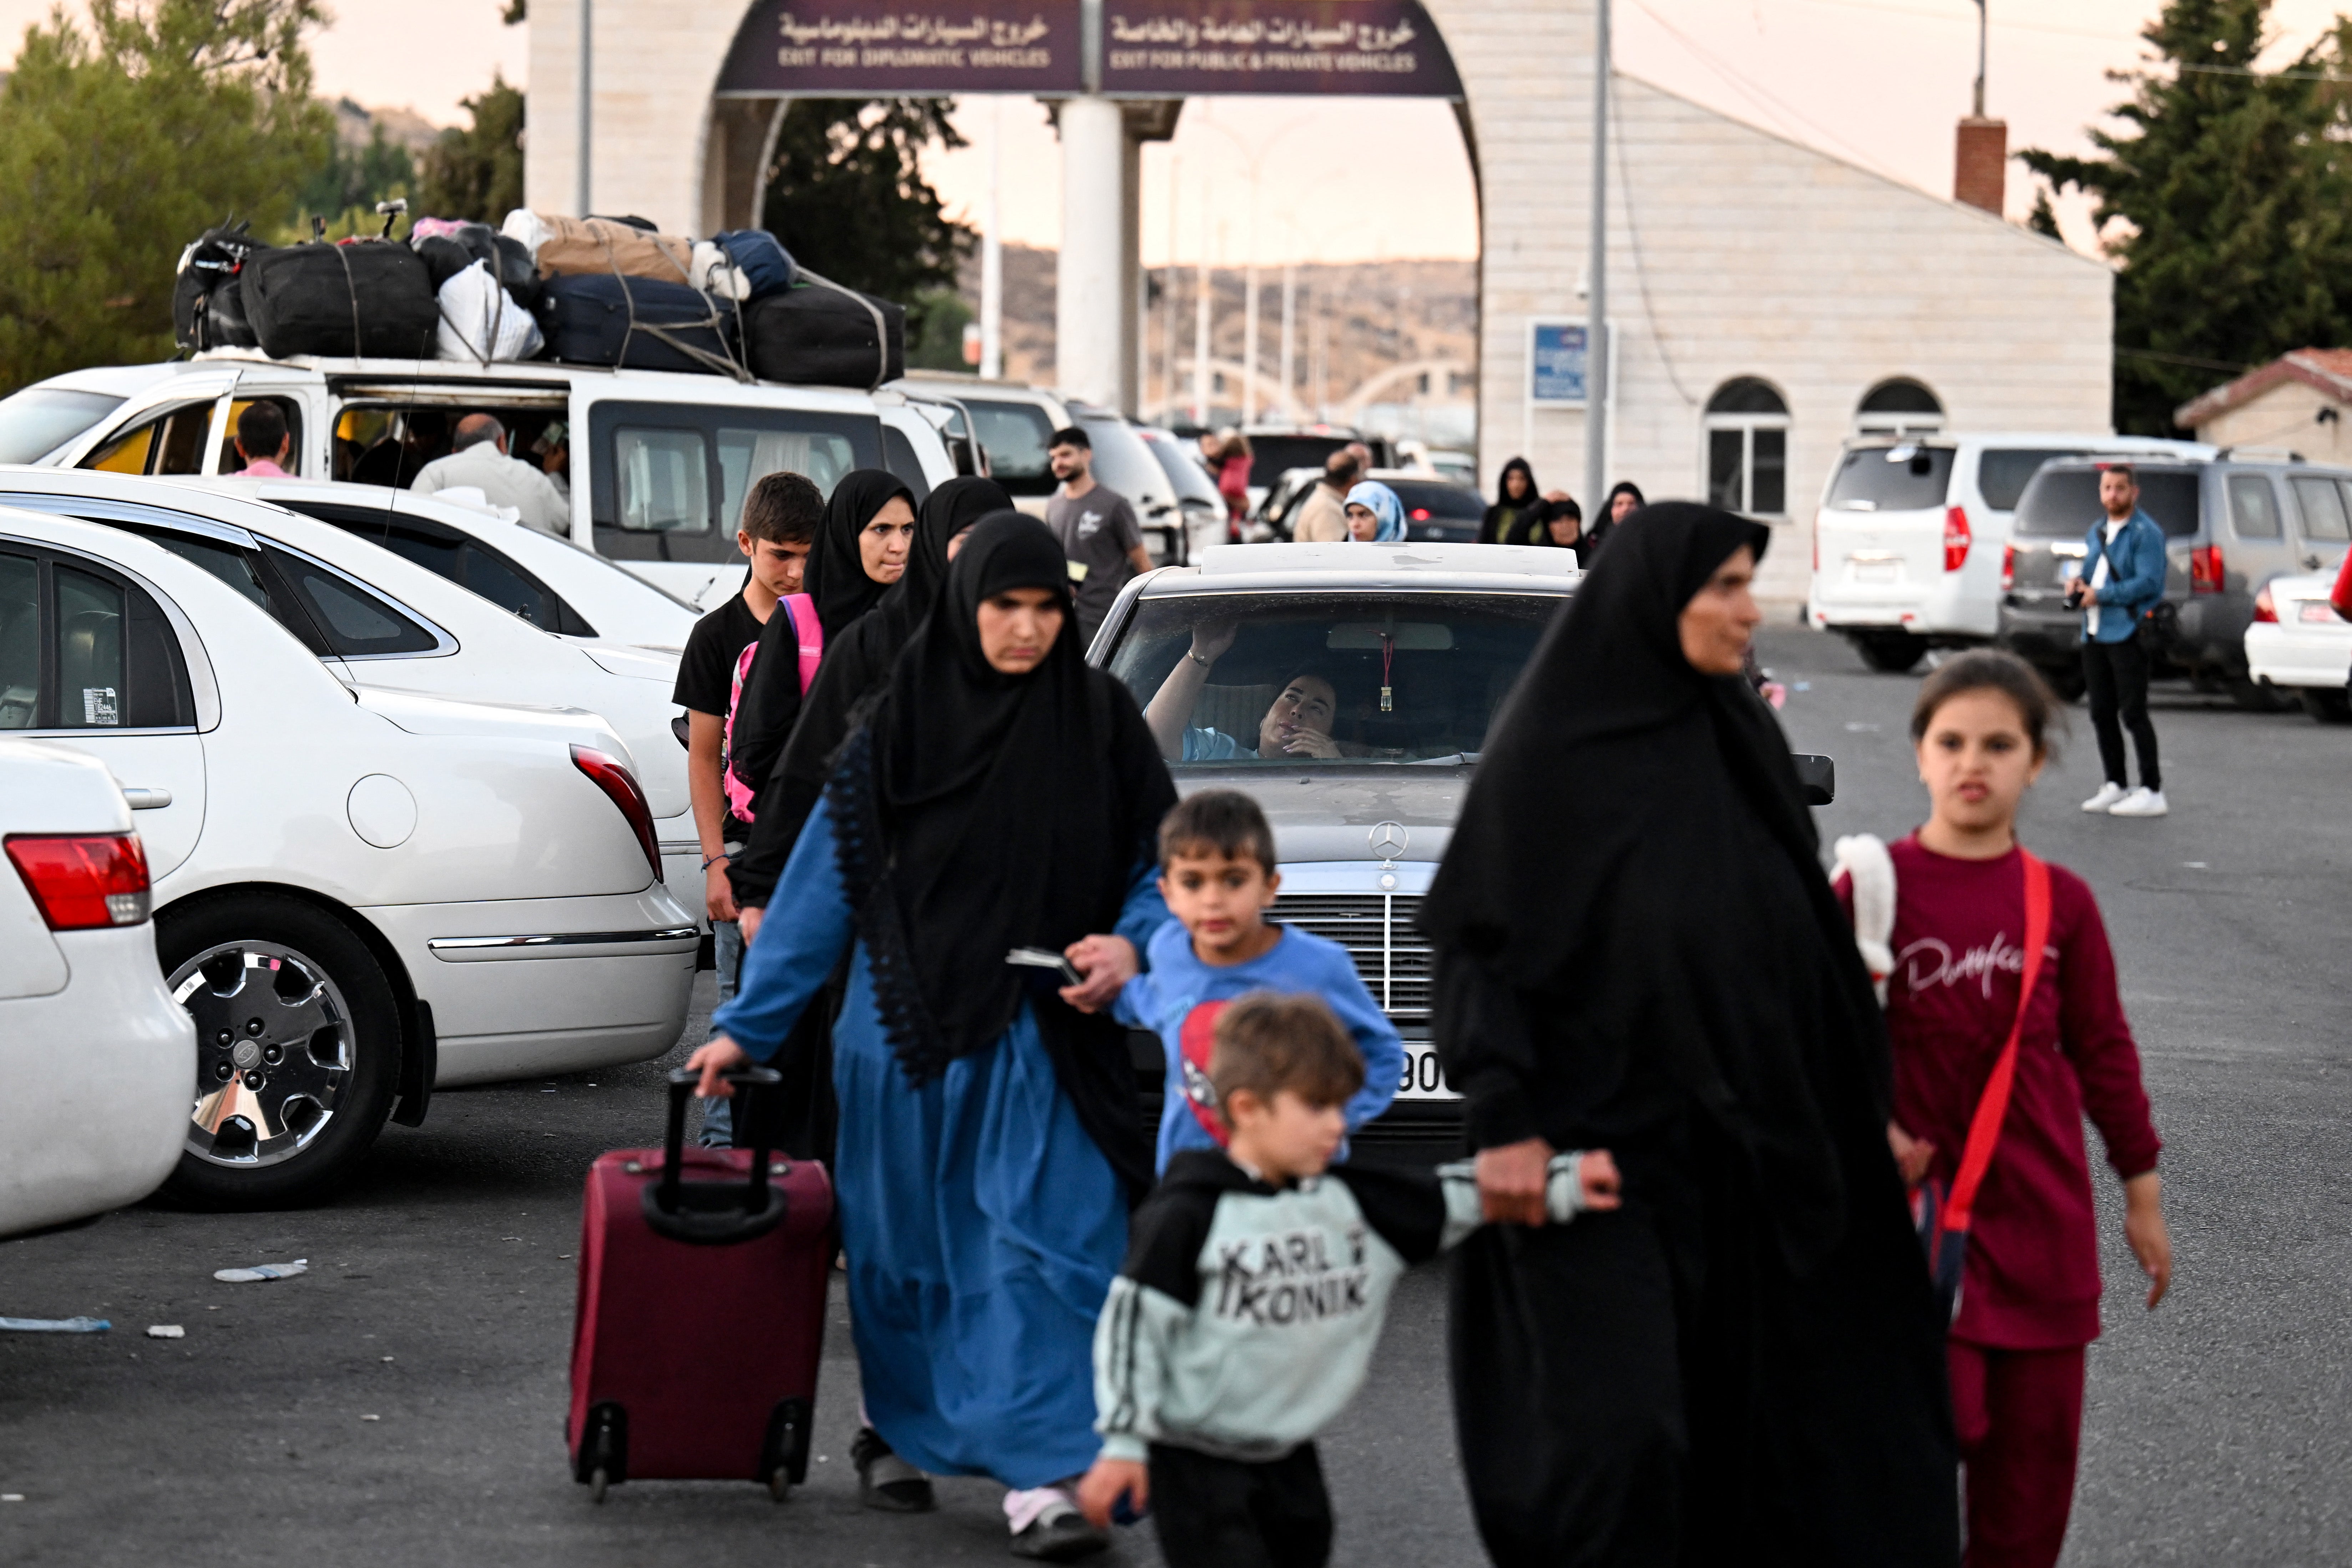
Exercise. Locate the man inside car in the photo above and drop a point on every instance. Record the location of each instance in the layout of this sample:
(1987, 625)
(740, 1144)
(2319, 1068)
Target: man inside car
(1297, 724)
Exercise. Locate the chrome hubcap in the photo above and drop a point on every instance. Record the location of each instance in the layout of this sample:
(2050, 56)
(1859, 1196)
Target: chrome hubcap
(274, 1051)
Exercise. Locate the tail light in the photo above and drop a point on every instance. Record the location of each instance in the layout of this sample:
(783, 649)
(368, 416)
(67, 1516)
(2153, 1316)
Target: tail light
(1419, 514)
(2008, 567)
(2205, 569)
(1956, 538)
(83, 883)
(615, 781)
(2265, 609)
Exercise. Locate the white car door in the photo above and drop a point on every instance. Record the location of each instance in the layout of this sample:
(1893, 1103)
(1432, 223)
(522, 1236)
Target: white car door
(87, 657)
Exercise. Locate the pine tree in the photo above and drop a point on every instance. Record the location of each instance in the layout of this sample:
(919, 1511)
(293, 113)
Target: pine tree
(2233, 229)
(847, 195)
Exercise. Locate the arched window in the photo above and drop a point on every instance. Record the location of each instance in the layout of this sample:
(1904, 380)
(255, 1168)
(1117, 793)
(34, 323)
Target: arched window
(1747, 449)
(1897, 407)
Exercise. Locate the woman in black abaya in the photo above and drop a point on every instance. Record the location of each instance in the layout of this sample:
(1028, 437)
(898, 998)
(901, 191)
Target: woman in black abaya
(1744, 1362)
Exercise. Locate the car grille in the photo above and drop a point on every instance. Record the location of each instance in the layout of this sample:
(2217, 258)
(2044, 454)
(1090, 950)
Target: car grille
(1378, 930)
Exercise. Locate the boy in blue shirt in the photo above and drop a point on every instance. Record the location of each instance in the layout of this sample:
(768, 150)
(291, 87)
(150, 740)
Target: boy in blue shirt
(1217, 873)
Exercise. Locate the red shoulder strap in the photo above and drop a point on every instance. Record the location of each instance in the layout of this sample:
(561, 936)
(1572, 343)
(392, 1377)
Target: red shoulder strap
(1984, 1128)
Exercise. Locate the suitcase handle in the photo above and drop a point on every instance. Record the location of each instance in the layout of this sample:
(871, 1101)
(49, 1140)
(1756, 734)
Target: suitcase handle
(713, 1214)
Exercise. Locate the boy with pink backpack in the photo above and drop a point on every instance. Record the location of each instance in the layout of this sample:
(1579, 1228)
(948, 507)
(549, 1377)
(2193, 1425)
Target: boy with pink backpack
(781, 516)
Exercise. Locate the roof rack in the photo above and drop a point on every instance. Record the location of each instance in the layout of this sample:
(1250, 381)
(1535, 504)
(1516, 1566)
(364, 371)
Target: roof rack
(2261, 455)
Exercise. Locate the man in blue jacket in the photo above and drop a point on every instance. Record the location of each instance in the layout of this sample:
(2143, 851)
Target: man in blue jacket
(2123, 579)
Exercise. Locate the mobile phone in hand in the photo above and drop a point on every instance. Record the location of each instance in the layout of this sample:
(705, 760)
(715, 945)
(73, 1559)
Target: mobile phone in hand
(1046, 958)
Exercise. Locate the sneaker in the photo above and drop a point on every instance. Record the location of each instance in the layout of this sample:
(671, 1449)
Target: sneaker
(2108, 795)
(1059, 1533)
(2141, 802)
(886, 1481)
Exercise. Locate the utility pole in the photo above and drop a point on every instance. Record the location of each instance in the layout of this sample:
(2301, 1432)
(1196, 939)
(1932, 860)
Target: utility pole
(1596, 329)
(587, 97)
(1289, 313)
(1249, 314)
(1200, 323)
(992, 251)
(1979, 110)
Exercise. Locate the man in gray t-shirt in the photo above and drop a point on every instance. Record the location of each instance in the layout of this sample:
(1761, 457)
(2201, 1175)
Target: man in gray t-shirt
(1097, 528)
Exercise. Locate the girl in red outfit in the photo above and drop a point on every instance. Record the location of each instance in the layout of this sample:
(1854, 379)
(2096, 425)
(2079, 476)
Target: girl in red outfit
(2030, 1293)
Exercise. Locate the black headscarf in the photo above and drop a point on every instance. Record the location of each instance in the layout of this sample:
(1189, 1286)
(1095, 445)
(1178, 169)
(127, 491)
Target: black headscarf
(770, 709)
(836, 576)
(1728, 964)
(856, 665)
(978, 812)
(1603, 521)
(1506, 513)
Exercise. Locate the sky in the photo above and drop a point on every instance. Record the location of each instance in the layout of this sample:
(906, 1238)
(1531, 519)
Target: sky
(1876, 82)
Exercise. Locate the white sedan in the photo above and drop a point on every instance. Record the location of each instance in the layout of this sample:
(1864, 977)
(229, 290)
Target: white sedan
(2298, 641)
(551, 583)
(78, 967)
(380, 621)
(360, 894)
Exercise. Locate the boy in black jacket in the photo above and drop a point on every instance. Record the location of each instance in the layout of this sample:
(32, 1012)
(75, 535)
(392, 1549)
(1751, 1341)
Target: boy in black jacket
(1251, 1301)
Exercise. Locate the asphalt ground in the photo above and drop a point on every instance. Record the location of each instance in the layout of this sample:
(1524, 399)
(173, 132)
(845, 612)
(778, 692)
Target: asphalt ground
(403, 1401)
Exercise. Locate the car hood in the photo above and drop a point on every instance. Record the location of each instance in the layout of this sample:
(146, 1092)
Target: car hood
(1328, 814)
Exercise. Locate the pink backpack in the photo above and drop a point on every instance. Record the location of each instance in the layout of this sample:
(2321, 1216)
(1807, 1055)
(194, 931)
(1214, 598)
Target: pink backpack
(802, 609)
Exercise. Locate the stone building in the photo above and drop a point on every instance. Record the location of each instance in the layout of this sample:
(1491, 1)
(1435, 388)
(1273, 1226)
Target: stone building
(1769, 300)
(2296, 401)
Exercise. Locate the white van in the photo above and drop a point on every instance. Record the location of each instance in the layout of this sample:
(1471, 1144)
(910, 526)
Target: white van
(658, 462)
(1907, 542)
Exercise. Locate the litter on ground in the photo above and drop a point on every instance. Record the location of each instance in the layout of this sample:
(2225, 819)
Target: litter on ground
(166, 1331)
(262, 1272)
(55, 1325)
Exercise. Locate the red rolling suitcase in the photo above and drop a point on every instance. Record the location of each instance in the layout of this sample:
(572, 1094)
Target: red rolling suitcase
(701, 1311)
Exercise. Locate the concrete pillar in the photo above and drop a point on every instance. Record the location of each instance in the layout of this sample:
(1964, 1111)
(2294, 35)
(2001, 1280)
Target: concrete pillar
(1130, 269)
(1091, 300)
(741, 139)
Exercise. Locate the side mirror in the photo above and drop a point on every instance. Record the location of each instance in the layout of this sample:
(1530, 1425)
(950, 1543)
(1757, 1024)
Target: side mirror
(1818, 775)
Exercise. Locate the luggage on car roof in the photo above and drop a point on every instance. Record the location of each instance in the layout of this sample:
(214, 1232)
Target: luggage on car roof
(637, 323)
(765, 265)
(821, 334)
(450, 246)
(358, 298)
(571, 247)
(208, 308)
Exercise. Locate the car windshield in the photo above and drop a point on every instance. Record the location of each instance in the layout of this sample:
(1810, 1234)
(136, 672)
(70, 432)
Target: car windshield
(39, 420)
(2063, 503)
(1270, 455)
(1337, 677)
(2001, 473)
(1901, 478)
(1017, 436)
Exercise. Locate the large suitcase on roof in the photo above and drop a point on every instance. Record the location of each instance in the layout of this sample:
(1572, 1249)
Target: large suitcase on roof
(701, 1310)
(820, 334)
(637, 323)
(371, 299)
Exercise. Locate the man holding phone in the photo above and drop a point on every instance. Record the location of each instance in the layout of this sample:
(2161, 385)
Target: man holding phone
(2122, 580)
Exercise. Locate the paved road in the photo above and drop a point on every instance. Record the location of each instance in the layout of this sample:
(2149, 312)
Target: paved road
(439, 1299)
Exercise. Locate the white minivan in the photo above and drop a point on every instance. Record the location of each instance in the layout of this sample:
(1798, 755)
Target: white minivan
(658, 463)
(1907, 542)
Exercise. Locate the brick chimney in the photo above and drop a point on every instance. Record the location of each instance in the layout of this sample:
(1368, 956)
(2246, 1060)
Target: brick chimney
(1980, 165)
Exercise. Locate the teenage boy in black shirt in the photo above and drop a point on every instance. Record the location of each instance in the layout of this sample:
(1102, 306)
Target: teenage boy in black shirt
(779, 522)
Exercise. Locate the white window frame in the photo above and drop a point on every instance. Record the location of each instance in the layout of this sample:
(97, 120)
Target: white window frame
(1746, 425)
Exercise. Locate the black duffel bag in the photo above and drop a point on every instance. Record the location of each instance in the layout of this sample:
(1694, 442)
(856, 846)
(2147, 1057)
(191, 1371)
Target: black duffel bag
(208, 309)
(372, 299)
(818, 334)
(637, 323)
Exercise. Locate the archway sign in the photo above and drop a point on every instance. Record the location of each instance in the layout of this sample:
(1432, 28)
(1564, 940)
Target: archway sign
(1089, 56)
(1148, 49)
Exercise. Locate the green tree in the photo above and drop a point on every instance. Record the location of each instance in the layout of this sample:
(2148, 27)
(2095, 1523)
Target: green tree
(476, 173)
(847, 195)
(2235, 207)
(121, 142)
(938, 345)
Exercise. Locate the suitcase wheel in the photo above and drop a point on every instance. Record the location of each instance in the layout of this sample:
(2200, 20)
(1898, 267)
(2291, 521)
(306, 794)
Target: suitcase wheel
(784, 1456)
(603, 1454)
(779, 1485)
(596, 1485)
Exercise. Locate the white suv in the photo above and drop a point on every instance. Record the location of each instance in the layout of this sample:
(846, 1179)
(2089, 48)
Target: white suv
(1908, 543)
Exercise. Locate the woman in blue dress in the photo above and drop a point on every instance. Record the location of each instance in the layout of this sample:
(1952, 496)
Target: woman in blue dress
(997, 794)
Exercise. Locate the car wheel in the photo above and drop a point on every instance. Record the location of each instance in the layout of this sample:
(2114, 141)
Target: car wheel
(2329, 705)
(2252, 696)
(1891, 652)
(298, 1048)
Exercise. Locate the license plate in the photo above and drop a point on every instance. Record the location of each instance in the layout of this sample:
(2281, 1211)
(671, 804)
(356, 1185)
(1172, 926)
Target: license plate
(2319, 612)
(1877, 570)
(1424, 1079)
